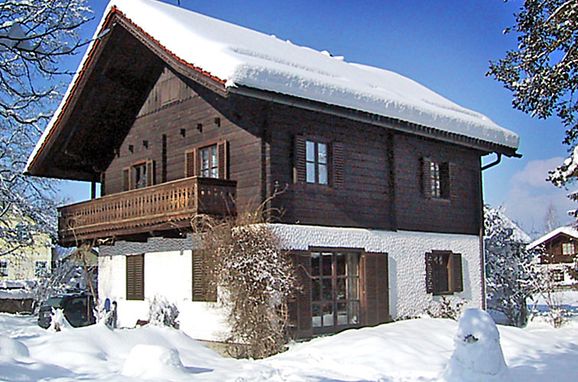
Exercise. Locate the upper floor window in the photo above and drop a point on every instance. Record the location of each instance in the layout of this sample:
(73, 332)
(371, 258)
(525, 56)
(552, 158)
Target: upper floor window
(40, 268)
(316, 162)
(568, 249)
(140, 175)
(3, 268)
(209, 162)
(443, 272)
(436, 179)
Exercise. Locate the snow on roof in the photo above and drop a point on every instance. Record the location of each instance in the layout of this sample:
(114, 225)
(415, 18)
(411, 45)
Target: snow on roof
(568, 230)
(242, 57)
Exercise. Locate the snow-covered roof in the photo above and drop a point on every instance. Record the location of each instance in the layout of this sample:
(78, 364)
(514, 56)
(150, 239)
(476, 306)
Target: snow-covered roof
(567, 230)
(237, 56)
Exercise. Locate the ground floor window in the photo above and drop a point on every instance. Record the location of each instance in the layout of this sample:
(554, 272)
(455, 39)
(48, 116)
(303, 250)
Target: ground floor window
(3, 268)
(40, 268)
(557, 275)
(335, 289)
(135, 277)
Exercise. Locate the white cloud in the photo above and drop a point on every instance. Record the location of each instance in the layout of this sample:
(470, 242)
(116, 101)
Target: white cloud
(530, 195)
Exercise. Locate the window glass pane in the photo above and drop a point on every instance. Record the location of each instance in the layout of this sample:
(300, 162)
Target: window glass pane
(326, 264)
(310, 172)
(3, 268)
(328, 319)
(353, 311)
(322, 153)
(213, 150)
(315, 260)
(342, 314)
(316, 290)
(322, 174)
(341, 260)
(310, 151)
(214, 172)
(140, 176)
(340, 293)
(327, 291)
(440, 272)
(316, 315)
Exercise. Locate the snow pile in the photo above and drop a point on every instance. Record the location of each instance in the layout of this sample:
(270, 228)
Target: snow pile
(477, 355)
(153, 362)
(58, 321)
(12, 349)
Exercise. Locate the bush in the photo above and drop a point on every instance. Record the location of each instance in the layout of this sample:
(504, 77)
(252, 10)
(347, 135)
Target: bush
(163, 313)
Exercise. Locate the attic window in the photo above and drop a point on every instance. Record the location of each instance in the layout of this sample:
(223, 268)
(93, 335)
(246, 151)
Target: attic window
(568, 249)
(436, 179)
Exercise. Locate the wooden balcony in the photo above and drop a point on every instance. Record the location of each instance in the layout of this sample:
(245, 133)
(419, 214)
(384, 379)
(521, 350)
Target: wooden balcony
(163, 207)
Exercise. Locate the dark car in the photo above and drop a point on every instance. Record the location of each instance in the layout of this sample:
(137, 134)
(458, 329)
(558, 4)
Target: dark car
(78, 310)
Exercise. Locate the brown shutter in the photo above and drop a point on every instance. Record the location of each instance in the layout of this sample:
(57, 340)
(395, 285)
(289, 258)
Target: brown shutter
(452, 181)
(455, 267)
(151, 172)
(300, 305)
(102, 184)
(126, 179)
(135, 277)
(201, 288)
(375, 287)
(299, 159)
(223, 159)
(338, 159)
(191, 163)
(445, 180)
(426, 177)
(429, 278)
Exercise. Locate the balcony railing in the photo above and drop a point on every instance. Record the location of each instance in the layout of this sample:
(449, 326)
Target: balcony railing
(161, 207)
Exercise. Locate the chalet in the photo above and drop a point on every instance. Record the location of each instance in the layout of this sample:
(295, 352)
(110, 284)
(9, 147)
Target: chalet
(176, 114)
(560, 248)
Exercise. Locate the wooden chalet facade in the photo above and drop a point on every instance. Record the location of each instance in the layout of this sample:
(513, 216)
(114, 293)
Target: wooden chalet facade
(382, 216)
(560, 254)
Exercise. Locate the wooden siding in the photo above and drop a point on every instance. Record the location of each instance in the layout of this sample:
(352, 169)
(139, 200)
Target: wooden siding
(189, 119)
(553, 249)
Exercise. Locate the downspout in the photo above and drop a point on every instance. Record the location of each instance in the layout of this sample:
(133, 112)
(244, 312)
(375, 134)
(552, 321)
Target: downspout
(482, 252)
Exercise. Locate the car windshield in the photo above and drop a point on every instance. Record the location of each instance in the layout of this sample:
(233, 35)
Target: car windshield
(55, 302)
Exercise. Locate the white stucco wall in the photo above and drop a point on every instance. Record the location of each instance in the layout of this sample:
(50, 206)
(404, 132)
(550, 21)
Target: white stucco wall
(406, 257)
(167, 274)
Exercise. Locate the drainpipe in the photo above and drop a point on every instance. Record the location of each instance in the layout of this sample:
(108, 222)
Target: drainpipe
(494, 163)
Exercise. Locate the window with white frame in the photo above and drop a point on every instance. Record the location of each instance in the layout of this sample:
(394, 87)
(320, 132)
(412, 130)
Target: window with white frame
(568, 249)
(40, 268)
(316, 161)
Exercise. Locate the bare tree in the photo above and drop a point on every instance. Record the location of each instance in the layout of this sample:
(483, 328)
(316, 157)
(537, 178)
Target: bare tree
(35, 37)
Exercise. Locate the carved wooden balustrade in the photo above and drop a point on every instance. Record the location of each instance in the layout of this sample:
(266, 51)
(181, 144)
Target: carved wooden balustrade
(161, 207)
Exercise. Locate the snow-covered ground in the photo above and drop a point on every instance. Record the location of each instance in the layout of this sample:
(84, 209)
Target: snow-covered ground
(413, 350)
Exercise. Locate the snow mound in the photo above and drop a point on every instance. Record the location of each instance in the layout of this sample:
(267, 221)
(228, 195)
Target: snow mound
(10, 348)
(58, 321)
(477, 355)
(152, 362)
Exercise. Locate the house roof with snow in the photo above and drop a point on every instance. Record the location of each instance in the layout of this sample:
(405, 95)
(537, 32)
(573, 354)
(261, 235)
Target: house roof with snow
(134, 36)
(564, 230)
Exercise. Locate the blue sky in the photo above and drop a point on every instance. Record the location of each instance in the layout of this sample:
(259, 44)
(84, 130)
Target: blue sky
(445, 45)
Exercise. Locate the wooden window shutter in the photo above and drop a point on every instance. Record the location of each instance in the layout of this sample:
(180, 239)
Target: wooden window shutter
(126, 183)
(223, 159)
(102, 184)
(429, 281)
(299, 159)
(135, 277)
(338, 159)
(201, 288)
(426, 176)
(445, 179)
(375, 286)
(455, 267)
(191, 163)
(302, 263)
(452, 180)
(151, 172)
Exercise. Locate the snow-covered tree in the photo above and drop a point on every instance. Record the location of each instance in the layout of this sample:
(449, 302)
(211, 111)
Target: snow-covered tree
(34, 38)
(510, 275)
(542, 72)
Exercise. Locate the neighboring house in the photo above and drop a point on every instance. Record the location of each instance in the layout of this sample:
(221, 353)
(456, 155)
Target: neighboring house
(19, 271)
(177, 114)
(560, 248)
